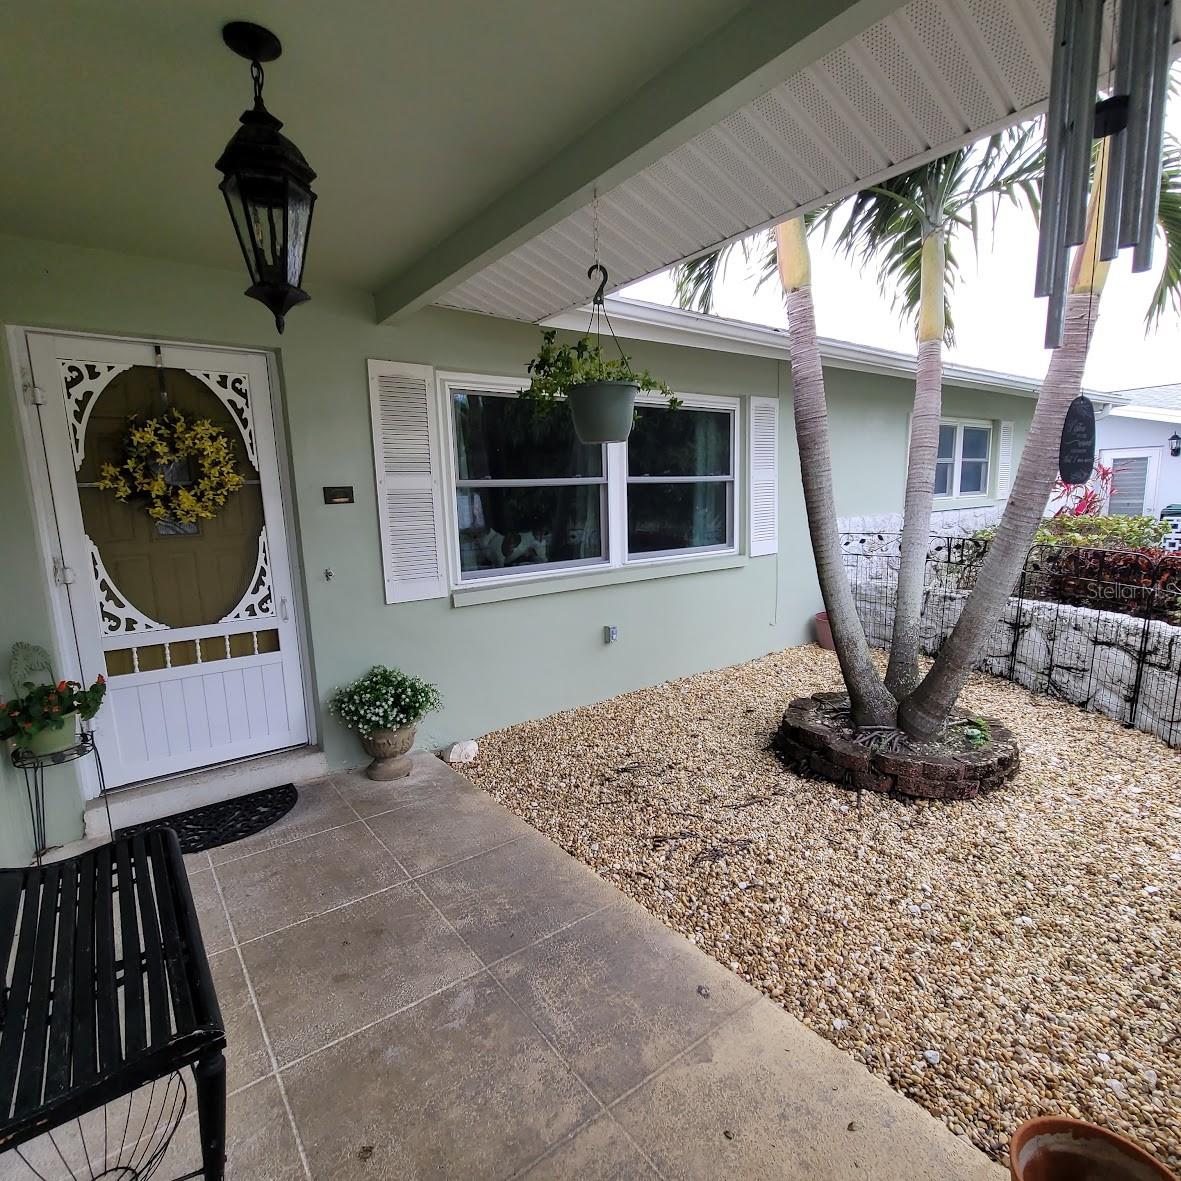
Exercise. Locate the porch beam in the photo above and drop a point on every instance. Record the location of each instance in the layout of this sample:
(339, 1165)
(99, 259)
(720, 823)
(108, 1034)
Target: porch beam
(758, 48)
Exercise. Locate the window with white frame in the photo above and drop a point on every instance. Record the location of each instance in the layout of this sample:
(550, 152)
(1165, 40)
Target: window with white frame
(528, 495)
(530, 499)
(962, 461)
(680, 481)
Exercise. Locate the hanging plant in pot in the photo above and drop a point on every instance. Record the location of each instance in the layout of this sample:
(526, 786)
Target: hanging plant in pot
(600, 391)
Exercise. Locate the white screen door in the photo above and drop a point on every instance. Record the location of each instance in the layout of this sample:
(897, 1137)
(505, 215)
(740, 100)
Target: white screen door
(192, 623)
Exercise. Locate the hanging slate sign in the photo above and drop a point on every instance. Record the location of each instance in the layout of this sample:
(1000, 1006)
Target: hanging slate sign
(1076, 451)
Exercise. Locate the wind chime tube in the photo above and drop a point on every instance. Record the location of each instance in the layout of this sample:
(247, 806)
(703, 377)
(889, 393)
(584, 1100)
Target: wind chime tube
(1136, 146)
(1081, 125)
(1117, 148)
(1162, 36)
(1056, 316)
(1049, 238)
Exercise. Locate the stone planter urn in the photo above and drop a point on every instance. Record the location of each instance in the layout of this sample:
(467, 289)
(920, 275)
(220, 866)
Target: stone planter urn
(390, 752)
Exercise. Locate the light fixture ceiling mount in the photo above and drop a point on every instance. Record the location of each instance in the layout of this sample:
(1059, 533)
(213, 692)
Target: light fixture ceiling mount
(267, 186)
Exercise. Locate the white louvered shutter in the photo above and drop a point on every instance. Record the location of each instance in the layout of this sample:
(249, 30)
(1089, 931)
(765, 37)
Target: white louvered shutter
(1004, 461)
(764, 476)
(409, 494)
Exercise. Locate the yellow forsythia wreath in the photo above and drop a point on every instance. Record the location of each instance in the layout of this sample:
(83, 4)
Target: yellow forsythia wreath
(152, 445)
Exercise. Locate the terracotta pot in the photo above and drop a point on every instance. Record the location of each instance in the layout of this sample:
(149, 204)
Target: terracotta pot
(390, 751)
(48, 742)
(824, 631)
(1057, 1148)
(603, 411)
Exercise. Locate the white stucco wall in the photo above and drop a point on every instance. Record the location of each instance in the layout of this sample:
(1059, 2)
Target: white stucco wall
(1119, 432)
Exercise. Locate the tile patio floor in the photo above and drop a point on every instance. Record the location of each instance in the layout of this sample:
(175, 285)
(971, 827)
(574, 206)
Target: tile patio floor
(418, 985)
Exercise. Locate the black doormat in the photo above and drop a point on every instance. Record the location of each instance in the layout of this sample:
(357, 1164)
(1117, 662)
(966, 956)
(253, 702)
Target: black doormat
(230, 820)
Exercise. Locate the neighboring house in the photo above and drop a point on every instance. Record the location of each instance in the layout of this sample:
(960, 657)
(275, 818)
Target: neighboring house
(1141, 442)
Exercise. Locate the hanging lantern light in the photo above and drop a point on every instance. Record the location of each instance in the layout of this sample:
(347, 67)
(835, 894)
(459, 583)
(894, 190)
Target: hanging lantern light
(1132, 116)
(267, 186)
(1175, 444)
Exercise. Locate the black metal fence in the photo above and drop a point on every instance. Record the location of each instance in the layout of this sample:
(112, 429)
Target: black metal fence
(1098, 628)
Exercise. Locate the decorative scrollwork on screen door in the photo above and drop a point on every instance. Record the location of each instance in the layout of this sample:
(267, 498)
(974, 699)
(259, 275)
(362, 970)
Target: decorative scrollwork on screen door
(117, 614)
(233, 391)
(82, 383)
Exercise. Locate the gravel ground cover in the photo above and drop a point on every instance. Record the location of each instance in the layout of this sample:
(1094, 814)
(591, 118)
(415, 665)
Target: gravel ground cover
(992, 959)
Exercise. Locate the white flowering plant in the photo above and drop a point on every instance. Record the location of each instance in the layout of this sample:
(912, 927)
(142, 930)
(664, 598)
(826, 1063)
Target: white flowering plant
(383, 699)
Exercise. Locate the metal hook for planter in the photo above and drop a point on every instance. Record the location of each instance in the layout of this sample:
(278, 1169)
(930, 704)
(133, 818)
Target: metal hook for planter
(590, 274)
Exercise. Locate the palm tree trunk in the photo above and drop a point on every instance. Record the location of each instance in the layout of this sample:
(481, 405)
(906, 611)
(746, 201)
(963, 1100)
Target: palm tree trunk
(924, 713)
(872, 704)
(902, 674)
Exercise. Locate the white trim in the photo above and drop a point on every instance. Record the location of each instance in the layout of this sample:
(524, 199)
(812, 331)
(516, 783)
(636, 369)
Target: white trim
(640, 320)
(414, 390)
(614, 481)
(718, 404)
(1148, 413)
(285, 474)
(1004, 459)
(46, 540)
(762, 478)
(474, 595)
(955, 498)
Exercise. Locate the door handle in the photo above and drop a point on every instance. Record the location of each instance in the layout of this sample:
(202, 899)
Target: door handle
(283, 608)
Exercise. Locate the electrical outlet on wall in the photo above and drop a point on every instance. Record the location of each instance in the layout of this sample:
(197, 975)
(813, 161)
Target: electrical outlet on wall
(610, 634)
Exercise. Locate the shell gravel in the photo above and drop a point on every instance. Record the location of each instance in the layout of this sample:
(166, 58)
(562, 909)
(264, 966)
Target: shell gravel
(992, 959)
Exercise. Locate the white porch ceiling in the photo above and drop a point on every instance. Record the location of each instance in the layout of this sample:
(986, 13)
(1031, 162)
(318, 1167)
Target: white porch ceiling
(934, 75)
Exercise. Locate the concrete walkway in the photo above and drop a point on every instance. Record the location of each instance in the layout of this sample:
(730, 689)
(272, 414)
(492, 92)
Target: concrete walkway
(419, 985)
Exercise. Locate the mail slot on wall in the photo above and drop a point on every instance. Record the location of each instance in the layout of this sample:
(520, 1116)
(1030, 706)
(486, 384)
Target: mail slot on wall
(341, 495)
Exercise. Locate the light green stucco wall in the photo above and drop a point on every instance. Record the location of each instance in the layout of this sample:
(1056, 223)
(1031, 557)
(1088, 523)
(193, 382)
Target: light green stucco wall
(495, 663)
(869, 418)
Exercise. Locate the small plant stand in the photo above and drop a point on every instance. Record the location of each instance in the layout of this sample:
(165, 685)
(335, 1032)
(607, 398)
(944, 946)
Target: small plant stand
(34, 768)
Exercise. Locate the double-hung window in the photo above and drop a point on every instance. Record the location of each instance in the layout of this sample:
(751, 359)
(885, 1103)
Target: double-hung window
(680, 481)
(529, 499)
(477, 489)
(962, 462)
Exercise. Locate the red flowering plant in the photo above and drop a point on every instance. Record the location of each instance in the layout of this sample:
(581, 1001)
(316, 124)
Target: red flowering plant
(46, 707)
(1084, 500)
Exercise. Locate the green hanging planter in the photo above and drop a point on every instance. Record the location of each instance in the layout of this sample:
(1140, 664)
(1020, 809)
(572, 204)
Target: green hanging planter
(603, 411)
(601, 391)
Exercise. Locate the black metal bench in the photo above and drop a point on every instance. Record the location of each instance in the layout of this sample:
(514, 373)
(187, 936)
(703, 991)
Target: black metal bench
(107, 989)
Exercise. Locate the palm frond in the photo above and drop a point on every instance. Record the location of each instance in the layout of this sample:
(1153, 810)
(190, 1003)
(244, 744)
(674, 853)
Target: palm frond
(1168, 223)
(696, 280)
(886, 225)
(763, 252)
(1008, 167)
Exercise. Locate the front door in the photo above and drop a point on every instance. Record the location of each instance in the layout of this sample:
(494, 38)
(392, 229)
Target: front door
(177, 590)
